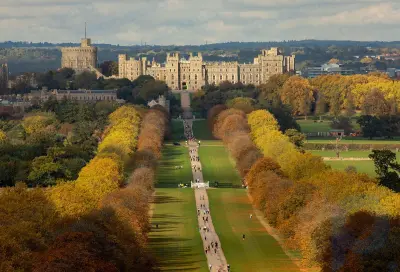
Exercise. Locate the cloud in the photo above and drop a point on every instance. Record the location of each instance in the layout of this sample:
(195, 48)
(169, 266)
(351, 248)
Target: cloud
(195, 22)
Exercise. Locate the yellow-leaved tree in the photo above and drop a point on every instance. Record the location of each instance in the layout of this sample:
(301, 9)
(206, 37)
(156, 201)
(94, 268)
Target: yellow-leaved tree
(3, 137)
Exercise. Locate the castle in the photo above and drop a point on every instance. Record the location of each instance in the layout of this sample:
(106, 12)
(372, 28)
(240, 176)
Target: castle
(193, 73)
(80, 58)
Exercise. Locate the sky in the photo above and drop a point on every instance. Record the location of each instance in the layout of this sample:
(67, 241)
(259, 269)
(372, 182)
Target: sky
(166, 22)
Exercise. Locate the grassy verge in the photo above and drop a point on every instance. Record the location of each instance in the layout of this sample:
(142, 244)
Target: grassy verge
(167, 174)
(230, 210)
(201, 130)
(217, 166)
(366, 167)
(176, 243)
(343, 154)
(176, 130)
(352, 140)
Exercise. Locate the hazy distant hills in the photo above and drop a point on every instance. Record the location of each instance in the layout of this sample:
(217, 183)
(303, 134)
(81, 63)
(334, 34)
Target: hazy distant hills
(40, 57)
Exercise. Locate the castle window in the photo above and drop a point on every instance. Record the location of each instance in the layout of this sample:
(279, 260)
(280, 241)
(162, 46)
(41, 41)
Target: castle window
(183, 77)
(220, 77)
(195, 77)
(213, 77)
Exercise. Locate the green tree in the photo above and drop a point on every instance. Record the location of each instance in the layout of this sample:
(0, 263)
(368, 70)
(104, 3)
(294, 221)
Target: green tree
(342, 123)
(85, 80)
(387, 168)
(109, 68)
(296, 137)
(371, 126)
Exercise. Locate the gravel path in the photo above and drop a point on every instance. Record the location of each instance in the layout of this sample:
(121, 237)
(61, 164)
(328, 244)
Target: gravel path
(212, 246)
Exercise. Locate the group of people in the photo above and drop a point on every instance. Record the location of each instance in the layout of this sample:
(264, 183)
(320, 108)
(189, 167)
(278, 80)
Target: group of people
(211, 245)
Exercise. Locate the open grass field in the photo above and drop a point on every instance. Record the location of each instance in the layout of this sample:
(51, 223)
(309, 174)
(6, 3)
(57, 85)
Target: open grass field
(344, 154)
(218, 166)
(176, 243)
(176, 130)
(366, 167)
(311, 126)
(351, 140)
(201, 130)
(167, 175)
(230, 209)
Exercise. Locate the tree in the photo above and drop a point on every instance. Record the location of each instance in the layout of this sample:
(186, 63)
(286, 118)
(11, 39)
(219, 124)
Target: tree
(387, 168)
(342, 123)
(152, 90)
(366, 60)
(85, 80)
(44, 171)
(333, 61)
(376, 104)
(241, 103)
(297, 93)
(371, 126)
(320, 105)
(296, 137)
(109, 68)
(270, 90)
(3, 137)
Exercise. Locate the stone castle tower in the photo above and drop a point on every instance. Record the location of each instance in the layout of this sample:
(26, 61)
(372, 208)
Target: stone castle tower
(193, 73)
(80, 58)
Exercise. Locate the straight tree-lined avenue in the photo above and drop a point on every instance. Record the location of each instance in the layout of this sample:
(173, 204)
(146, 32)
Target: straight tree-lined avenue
(212, 245)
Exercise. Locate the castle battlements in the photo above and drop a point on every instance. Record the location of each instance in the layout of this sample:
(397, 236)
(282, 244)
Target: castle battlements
(193, 73)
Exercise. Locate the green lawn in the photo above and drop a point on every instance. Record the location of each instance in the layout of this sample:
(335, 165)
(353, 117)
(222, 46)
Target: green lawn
(366, 167)
(230, 209)
(311, 126)
(343, 154)
(176, 243)
(167, 175)
(324, 126)
(201, 130)
(351, 140)
(218, 166)
(176, 130)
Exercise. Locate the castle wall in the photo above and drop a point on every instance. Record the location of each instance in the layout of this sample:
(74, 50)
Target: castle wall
(250, 74)
(194, 73)
(217, 72)
(79, 58)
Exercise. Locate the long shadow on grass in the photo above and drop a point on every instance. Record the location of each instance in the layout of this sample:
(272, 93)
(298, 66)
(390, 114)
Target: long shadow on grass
(171, 252)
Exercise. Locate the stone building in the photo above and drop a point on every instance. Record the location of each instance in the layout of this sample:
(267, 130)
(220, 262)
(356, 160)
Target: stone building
(193, 73)
(3, 78)
(78, 95)
(80, 58)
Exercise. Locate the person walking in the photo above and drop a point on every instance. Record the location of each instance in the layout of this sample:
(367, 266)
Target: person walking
(251, 216)
(244, 236)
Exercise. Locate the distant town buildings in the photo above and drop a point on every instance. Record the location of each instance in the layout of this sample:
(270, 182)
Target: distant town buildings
(80, 58)
(193, 73)
(326, 69)
(3, 78)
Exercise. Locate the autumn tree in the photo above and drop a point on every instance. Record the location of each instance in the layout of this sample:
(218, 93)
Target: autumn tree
(244, 104)
(376, 104)
(3, 137)
(298, 93)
